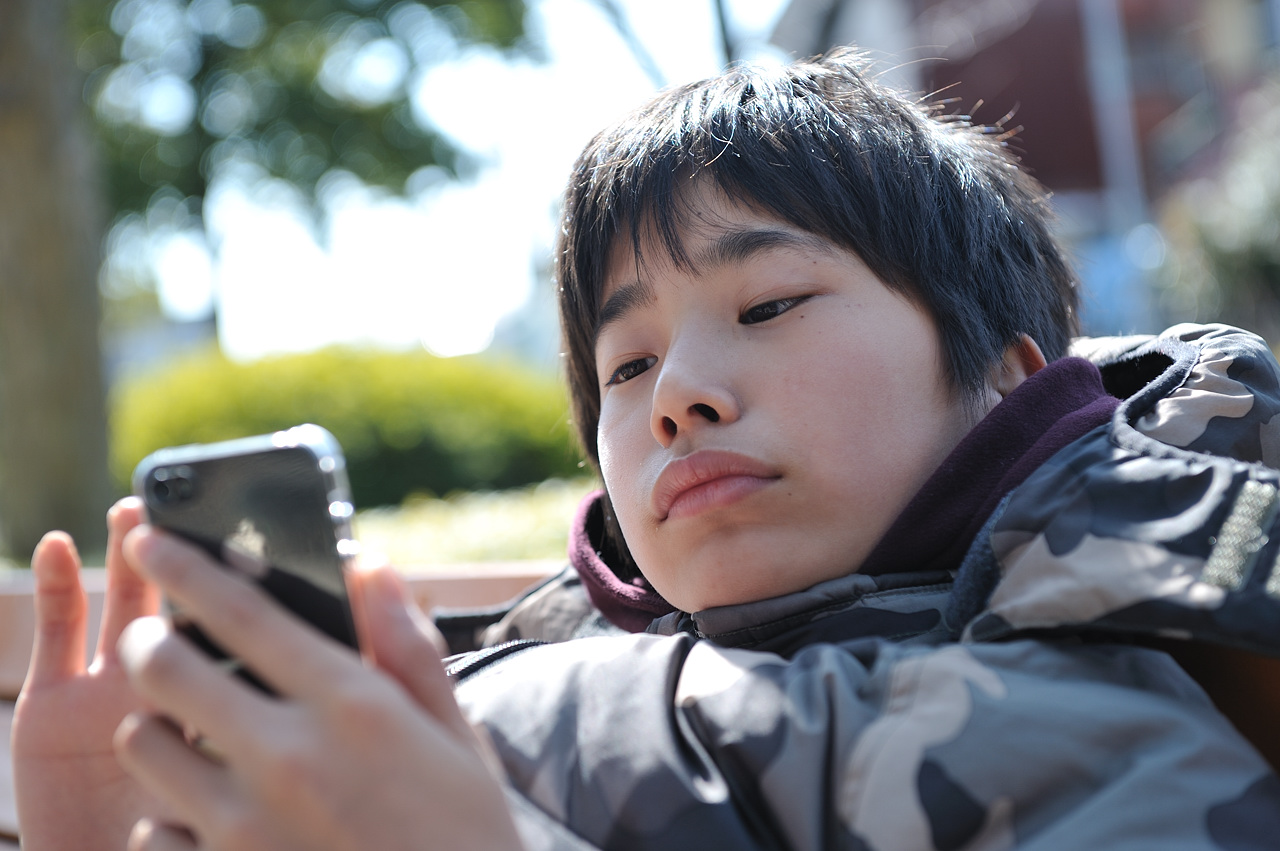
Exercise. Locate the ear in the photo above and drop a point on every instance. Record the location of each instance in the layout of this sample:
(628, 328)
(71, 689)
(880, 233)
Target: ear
(1021, 360)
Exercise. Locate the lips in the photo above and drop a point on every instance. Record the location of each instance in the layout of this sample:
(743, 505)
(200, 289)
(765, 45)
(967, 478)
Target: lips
(706, 480)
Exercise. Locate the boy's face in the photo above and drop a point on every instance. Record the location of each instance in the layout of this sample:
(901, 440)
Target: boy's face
(764, 419)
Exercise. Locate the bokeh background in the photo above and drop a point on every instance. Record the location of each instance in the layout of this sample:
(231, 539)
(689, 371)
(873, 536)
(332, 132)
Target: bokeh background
(221, 217)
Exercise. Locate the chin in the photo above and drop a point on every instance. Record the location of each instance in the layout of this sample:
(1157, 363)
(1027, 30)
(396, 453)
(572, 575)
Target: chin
(736, 569)
(727, 589)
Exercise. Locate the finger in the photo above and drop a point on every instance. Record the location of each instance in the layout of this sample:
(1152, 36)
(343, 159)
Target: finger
(128, 595)
(356, 579)
(401, 640)
(148, 835)
(61, 611)
(280, 648)
(355, 594)
(156, 754)
(175, 678)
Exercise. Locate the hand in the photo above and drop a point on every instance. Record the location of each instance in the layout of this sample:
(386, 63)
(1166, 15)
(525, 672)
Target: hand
(348, 757)
(71, 791)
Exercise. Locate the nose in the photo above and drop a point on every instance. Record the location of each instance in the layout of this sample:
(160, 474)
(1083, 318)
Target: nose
(694, 390)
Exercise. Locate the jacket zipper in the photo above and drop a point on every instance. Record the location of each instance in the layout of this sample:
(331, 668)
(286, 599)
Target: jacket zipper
(472, 662)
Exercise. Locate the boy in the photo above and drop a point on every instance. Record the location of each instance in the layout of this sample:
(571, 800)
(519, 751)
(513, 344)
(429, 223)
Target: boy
(914, 560)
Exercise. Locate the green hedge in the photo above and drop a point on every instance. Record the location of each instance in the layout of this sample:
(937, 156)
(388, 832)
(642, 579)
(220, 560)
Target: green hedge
(408, 422)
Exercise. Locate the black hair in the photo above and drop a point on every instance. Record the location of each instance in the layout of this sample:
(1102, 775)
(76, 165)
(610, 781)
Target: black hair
(935, 206)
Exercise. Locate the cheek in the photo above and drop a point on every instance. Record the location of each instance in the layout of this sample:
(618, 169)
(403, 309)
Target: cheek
(621, 441)
(882, 426)
(621, 467)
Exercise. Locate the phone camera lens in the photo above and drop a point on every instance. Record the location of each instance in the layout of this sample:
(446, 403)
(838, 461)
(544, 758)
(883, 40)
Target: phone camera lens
(172, 484)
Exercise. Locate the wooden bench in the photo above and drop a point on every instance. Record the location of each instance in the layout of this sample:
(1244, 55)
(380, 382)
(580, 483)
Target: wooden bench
(456, 585)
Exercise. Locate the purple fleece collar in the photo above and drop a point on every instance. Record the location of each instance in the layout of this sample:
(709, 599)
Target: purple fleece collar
(1051, 409)
(632, 604)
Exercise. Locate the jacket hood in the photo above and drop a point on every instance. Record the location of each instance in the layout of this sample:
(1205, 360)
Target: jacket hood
(1161, 524)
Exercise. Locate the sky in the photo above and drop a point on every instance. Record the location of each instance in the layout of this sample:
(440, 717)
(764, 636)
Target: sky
(444, 265)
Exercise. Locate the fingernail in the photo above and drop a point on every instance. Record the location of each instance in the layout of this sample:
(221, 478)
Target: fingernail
(50, 537)
(386, 585)
(138, 638)
(56, 534)
(369, 561)
(128, 503)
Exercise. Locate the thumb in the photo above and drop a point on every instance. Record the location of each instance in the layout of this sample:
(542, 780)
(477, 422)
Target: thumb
(404, 644)
(61, 609)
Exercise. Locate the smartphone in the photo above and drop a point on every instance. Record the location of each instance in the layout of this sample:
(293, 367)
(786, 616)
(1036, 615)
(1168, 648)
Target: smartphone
(276, 508)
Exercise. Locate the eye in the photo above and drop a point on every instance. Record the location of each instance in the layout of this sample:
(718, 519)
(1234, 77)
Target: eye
(630, 370)
(765, 311)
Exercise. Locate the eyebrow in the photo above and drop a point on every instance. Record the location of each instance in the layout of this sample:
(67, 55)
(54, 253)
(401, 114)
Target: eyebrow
(625, 299)
(730, 248)
(740, 246)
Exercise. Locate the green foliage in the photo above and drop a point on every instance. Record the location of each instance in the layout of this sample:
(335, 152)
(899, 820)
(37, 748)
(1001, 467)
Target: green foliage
(409, 423)
(187, 90)
(510, 525)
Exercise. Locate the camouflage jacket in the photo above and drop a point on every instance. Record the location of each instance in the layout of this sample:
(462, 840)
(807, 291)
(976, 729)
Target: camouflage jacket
(1032, 714)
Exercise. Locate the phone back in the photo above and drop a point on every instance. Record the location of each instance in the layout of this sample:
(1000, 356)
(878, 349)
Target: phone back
(275, 508)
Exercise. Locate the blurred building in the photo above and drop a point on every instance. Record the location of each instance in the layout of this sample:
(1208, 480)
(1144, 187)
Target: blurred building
(1114, 102)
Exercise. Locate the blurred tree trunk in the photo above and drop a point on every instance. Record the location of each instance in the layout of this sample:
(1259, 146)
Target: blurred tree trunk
(53, 447)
